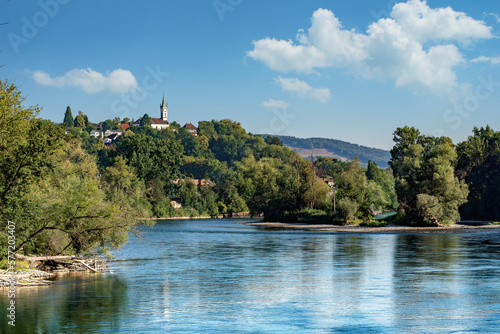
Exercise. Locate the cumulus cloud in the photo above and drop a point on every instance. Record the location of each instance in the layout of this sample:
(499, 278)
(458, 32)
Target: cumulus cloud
(275, 104)
(117, 81)
(417, 46)
(302, 88)
(482, 59)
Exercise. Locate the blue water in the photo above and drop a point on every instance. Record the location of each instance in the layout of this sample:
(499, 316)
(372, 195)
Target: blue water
(221, 276)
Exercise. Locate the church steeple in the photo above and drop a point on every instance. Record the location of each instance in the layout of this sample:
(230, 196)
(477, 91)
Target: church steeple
(163, 109)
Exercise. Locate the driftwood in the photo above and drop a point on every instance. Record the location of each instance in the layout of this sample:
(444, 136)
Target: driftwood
(62, 263)
(86, 265)
(46, 258)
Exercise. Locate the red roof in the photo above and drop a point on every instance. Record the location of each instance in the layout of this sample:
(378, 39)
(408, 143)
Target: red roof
(190, 126)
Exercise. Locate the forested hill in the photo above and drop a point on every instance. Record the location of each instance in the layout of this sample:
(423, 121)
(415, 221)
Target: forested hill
(336, 148)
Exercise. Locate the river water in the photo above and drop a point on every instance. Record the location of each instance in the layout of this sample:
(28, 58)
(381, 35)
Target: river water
(221, 276)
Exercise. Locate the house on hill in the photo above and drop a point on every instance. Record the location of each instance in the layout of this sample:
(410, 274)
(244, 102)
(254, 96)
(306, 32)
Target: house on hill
(191, 129)
(111, 138)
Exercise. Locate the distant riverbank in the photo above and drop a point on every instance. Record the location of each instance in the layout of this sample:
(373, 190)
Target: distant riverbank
(361, 229)
(244, 215)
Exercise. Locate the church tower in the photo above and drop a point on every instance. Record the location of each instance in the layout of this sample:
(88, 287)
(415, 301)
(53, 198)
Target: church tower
(163, 109)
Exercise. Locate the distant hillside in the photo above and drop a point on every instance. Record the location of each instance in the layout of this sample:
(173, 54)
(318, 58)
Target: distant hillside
(337, 149)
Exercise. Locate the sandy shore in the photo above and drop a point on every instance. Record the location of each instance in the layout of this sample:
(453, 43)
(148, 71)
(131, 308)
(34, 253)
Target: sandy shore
(361, 229)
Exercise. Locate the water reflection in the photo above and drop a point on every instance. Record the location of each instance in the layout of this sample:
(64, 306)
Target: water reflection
(221, 276)
(79, 303)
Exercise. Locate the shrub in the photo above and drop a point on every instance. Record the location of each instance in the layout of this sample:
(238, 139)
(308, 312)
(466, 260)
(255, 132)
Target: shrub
(347, 209)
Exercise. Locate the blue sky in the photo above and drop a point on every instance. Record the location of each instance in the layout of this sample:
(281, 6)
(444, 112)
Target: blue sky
(351, 70)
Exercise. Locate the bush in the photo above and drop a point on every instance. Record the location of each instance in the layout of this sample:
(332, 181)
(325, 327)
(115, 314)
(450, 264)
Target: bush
(347, 209)
(374, 223)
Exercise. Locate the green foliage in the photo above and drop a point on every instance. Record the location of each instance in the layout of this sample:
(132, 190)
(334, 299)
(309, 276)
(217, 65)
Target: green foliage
(426, 186)
(347, 209)
(353, 184)
(109, 125)
(81, 121)
(68, 118)
(151, 158)
(479, 166)
(273, 140)
(374, 223)
(385, 180)
(146, 120)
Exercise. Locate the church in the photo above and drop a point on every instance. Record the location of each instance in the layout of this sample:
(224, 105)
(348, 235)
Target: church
(158, 123)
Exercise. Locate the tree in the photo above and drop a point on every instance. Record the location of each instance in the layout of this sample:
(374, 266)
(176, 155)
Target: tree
(479, 166)
(71, 214)
(151, 158)
(109, 125)
(385, 180)
(26, 144)
(68, 118)
(427, 189)
(145, 120)
(80, 120)
(353, 184)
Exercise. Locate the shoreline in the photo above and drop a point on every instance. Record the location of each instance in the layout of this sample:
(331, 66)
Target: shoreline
(236, 215)
(364, 229)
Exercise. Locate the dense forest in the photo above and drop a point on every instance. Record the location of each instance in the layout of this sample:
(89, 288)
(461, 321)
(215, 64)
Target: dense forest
(70, 193)
(340, 148)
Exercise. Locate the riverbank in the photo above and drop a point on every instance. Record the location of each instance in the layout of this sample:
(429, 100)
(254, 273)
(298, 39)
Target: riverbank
(362, 229)
(38, 270)
(237, 215)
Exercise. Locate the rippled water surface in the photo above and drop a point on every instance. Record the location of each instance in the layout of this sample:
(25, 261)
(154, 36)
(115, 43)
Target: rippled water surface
(221, 276)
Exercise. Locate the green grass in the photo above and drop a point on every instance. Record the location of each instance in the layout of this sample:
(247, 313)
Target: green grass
(377, 223)
(495, 223)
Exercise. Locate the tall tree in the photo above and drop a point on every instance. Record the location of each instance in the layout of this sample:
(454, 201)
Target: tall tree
(427, 189)
(68, 118)
(26, 143)
(145, 120)
(80, 120)
(479, 166)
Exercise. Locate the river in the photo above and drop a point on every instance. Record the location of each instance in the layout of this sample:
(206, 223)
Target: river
(221, 276)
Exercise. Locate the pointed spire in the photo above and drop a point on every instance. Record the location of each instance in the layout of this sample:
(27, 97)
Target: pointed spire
(163, 102)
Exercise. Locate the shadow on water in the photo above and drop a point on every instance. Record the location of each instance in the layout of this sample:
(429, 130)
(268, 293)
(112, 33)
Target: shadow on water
(77, 303)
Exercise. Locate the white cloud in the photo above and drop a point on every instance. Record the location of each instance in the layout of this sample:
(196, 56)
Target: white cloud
(275, 104)
(482, 59)
(302, 88)
(117, 81)
(416, 47)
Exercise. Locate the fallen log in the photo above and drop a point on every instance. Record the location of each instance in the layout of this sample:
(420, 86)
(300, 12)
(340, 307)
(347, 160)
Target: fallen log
(86, 265)
(46, 258)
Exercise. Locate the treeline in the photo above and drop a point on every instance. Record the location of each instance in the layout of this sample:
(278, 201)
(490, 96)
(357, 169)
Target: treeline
(341, 148)
(71, 194)
(436, 181)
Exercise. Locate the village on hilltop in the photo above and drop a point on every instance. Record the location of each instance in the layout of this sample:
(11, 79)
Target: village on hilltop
(109, 135)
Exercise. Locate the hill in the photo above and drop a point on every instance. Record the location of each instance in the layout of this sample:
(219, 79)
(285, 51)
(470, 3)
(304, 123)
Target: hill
(337, 149)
